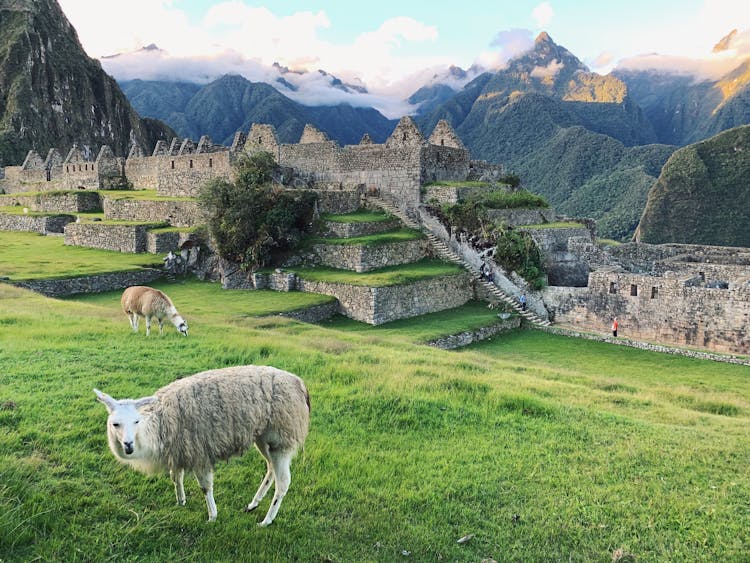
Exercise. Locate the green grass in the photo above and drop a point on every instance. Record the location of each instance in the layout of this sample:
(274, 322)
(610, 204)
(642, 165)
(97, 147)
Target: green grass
(144, 195)
(27, 256)
(393, 275)
(555, 225)
(462, 184)
(468, 317)
(19, 210)
(361, 216)
(544, 448)
(389, 237)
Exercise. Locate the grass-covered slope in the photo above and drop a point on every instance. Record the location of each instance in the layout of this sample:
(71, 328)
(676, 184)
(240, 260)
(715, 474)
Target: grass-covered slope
(702, 195)
(541, 448)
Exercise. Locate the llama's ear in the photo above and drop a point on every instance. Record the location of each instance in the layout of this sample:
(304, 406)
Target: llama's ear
(108, 401)
(144, 401)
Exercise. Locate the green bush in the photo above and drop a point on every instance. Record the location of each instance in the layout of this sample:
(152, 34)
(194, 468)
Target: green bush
(251, 221)
(520, 199)
(516, 251)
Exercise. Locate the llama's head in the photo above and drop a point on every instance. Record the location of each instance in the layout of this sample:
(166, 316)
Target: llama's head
(181, 324)
(123, 425)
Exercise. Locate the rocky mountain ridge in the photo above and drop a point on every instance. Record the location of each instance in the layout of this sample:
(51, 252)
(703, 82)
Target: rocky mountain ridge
(52, 94)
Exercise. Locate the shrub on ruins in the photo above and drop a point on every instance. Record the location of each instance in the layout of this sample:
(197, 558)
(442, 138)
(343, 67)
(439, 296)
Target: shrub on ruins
(252, 221)
(517, 252)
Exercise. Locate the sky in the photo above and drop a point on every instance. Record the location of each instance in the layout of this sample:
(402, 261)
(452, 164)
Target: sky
(390, 46)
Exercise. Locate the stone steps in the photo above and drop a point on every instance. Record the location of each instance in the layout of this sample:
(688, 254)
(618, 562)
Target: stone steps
(445, 252)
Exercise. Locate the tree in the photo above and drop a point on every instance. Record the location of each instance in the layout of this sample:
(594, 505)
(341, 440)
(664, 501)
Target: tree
(252, 221)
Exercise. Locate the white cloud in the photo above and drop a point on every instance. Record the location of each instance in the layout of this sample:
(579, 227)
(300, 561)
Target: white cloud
(548, 71)
(712, 66)
(543, 14)
(506, 45)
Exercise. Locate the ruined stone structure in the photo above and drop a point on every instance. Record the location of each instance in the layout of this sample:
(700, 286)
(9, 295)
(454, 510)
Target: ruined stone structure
(396, 169)
(678, 294)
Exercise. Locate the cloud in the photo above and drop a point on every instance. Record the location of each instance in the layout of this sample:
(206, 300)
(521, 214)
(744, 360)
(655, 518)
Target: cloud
(543, 14)
(548, 71)
(507, 44)
(605, 58)
(712, 66)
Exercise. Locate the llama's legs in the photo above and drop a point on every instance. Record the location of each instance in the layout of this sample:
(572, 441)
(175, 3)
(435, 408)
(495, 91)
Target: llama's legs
(281, 460)
(206, 481)
(265, 484)
(148, 325)
(179, 489)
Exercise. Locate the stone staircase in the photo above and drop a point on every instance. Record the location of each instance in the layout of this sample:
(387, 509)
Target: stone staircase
(445, 252)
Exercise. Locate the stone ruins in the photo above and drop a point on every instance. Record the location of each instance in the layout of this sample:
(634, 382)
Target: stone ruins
(687, 295)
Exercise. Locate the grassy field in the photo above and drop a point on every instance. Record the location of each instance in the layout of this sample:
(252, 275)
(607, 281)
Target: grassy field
(392, 275)
(361, 216)
(28, 256)
(388, 237)
(538, 447)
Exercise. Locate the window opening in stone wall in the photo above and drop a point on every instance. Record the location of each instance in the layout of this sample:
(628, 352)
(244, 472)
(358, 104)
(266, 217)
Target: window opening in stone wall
(654, 292)
(633, 289)
(191, 163)
(612, 287)
(404, 138)
(67, 168)
(442, 142)
(210, 162)
(260, 140)
(173, 165)
(49, 175)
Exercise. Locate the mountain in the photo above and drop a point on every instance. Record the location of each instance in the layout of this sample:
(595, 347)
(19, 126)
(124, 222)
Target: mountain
(52, 94)
(683, 109)
(232, 103)
(574, 136)
(702, 194)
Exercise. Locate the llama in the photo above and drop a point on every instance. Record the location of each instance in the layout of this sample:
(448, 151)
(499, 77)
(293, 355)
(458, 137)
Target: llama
(193, 422)
(149, 303)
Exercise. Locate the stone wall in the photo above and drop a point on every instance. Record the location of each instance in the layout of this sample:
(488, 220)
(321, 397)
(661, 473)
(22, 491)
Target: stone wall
(63, 202)
(122, 238)
(562, 267)
(334, 229)
(378, 305)
(91, 284)
(34, 223)
(363, 258)
(465, 338)
(185, 175)
(179, 213)
(339, 201)
(676, 309)
(315, 314)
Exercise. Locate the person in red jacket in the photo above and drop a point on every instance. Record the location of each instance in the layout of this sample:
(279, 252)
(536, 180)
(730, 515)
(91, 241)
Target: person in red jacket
(615, 325)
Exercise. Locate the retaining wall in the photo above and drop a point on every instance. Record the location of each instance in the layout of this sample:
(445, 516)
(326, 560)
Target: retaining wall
(91, 284)
(363, 258)
(122, 238)
(34, 223)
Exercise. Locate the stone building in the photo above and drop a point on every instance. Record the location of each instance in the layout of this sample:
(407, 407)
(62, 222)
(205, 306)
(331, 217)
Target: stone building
(688, 295)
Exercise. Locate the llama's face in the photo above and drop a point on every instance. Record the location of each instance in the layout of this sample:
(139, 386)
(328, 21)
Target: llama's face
(182, 327)
(123, 424)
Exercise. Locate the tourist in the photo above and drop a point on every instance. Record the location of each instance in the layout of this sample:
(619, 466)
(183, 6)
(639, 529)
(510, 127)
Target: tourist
(523, 301)
(615, 324)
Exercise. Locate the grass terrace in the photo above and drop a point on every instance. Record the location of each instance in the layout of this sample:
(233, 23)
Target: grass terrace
(393, 275)
(555, 225)
(148, 195)
(27, 256)
(19, 210)
(400, 235)
(360, 216)
(471, 316)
